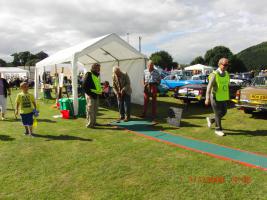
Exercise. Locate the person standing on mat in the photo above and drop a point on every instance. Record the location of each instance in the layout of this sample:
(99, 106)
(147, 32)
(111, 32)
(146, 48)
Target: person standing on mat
(4, 92)
(151, 81)
(92, 88)
(218, 94)
(123, 90)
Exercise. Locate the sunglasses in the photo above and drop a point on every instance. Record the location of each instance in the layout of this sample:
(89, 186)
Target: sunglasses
(226, 65)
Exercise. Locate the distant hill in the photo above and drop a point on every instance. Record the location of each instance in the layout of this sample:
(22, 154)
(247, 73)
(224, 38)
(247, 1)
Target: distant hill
(254, 57)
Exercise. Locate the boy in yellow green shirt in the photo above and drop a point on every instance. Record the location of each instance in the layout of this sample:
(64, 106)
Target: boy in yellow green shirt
(25, 105)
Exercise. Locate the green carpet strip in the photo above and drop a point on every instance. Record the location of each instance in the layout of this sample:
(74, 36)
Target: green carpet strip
(243, 157)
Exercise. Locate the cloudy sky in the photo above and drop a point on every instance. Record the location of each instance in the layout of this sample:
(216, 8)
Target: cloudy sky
(184, 28)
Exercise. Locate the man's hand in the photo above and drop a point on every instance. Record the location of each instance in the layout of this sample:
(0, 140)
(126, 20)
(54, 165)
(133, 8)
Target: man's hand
(122, 92)
(119, 95)
(207, 102)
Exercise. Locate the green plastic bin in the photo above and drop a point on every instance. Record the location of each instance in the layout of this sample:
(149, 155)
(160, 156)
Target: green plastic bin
(82, 107)
(67, 104)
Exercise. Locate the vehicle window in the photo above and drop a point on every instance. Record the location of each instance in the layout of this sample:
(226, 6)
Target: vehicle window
(173, 78)
(167, 78)
(260, 81)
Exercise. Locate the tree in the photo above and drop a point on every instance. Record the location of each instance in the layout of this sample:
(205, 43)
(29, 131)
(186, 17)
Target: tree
(33, 59)
(41, 55)
(24, 57)
(198, 60)
(236, 65)
(212, 56)
(175, 65)
(2, 63)
(16, 60)
(162, 59)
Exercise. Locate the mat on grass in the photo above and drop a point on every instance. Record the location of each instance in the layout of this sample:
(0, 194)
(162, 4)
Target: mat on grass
(145, 129)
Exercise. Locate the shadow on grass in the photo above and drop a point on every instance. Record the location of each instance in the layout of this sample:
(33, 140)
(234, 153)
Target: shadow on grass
(6, 138)
(246, 132)
(259, 115)
(12, 120)
(62, 137)
(46, 120)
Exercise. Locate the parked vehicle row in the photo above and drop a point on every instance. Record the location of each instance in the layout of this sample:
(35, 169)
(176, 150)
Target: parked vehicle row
(254, 97)
(194, 92)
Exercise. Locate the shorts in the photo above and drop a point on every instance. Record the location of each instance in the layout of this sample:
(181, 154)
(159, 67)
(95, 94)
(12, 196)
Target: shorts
(27, 119)
(2, 103)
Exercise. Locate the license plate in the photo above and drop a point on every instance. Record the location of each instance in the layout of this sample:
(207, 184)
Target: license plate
(258, 97)
(183, 90)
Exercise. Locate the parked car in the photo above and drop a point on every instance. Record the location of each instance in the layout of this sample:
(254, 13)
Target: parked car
(254, 97)
(174, 82)
(197, 92)
(162, 90)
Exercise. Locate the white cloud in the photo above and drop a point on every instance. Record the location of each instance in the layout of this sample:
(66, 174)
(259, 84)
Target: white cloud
(185, 28)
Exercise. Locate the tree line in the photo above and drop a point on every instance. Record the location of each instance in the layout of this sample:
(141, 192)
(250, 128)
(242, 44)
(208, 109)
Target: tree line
(24, 58)
(164, 60)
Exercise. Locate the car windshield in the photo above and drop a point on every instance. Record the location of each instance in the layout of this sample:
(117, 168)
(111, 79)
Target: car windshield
(260, 81)
(173, 77)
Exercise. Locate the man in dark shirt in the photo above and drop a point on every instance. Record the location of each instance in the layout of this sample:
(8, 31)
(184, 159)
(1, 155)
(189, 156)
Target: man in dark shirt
(92, 88)
(4, 91)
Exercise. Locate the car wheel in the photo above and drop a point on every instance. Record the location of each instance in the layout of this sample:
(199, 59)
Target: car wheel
(176, 89)
(186, 101)
(248, 111)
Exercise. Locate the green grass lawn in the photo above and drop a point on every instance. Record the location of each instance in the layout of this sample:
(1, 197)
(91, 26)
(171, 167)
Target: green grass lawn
(68, 161)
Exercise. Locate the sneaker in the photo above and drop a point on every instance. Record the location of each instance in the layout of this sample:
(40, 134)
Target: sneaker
(219, 133)
(126, 119)
(208, 122)
(143, 116)
(26, 133)
(89, 126)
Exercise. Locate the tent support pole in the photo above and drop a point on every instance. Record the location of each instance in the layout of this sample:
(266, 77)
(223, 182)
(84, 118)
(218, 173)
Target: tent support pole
(92, 58)
(114, 61)
(36, 83)
(110, 54)
(74, 84)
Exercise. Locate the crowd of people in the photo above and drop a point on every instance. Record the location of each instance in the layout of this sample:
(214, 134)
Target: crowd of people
(217, 94)
(15, 81)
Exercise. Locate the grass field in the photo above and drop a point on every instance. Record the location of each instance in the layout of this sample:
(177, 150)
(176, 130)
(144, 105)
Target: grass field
(68, 161)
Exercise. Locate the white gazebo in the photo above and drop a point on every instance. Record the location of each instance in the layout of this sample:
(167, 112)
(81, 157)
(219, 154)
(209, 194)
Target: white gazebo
(108, 51)
(13, 71)
(203, 68)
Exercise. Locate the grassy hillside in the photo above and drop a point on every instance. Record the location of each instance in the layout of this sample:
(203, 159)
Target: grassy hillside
(254, 57)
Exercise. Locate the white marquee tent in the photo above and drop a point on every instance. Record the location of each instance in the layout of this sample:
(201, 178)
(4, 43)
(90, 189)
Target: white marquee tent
(108, 50)
(13, 71)
(204, 69)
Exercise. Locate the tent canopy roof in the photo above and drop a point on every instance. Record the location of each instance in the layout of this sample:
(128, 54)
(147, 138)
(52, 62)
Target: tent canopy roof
(107, 48)
(12, 70)
(198, 67)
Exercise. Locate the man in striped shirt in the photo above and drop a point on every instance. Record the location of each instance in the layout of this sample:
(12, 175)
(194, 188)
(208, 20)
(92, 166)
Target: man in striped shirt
(151, 81)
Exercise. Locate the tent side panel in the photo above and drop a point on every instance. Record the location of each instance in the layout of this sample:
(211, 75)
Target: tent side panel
(135, 70)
